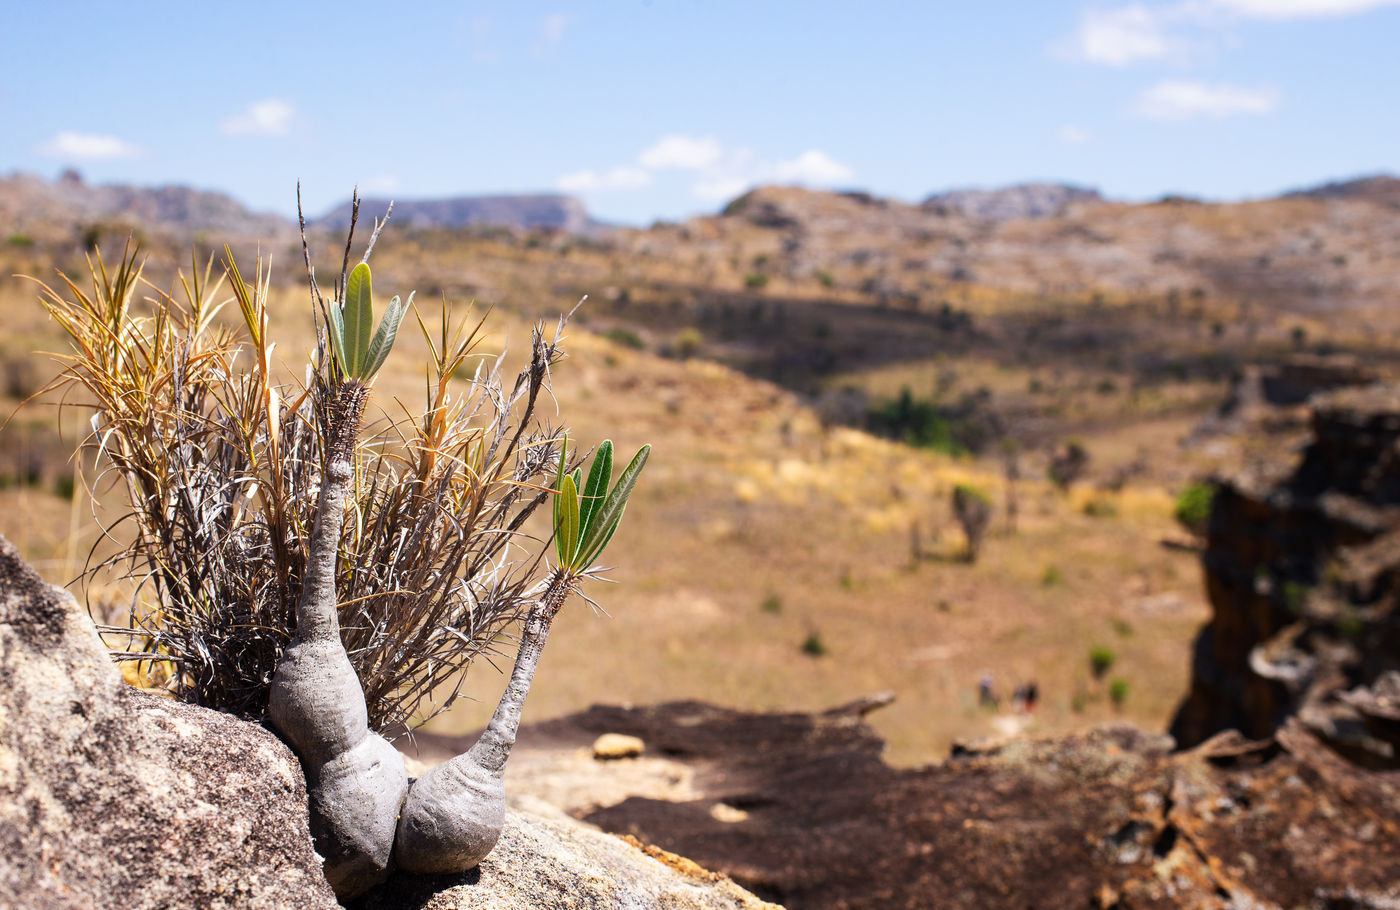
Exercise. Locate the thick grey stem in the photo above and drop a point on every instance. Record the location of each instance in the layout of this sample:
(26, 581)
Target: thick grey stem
(455, 812)
(356, 780)
(492, 749)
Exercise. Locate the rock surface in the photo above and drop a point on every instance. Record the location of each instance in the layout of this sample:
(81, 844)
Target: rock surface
(1302, 568)
(110, 797)
(546, 860)
(801, 810)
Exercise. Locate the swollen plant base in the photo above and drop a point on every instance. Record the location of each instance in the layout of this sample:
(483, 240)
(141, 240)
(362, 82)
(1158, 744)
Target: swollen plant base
(356, 780)
(455, 812)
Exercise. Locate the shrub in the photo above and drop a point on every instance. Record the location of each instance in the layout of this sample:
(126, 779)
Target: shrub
(812, 645)
(1101, 660)
(1068, 464)
(1193, 506)
(973, 509)
(755, 280)
(224, 464)
(20, 240)
(824, 279)
(688, 343)
(1118, 692)
(772, 603)
(1051, 577)
(1100, 507)
(626, 338)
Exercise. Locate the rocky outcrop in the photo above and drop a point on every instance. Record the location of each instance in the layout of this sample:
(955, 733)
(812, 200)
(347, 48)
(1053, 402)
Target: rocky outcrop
(1026, 200)
(110, 797)
(801, 810)
(526, 211)
(1302, 568)
(546, 860)
(27, 201)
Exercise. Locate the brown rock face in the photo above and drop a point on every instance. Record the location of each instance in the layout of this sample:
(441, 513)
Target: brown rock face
(114, 798)
(801, 810)
(1302, 567)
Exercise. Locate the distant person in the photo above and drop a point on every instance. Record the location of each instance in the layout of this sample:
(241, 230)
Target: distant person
(1032, 693)
(985, 693)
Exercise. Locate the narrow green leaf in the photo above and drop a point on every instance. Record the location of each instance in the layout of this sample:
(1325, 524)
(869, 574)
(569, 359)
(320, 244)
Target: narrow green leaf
(359, 320)
(559, 485)
(337, 333)
(566, 533)
(386, 333)
(606, 519)
(599, 476)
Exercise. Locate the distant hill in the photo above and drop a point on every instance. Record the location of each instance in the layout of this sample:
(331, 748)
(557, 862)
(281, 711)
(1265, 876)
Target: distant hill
(1026, 200)
(526, 211)
(1380, 188)
(28, 202)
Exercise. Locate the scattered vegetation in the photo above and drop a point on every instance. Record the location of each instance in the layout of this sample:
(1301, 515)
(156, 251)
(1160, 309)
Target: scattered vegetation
(973, 509)
(1118, 692)
(1069, 463)
(1193, 505)
(626, 338)
(1101, 660)
(813, 646)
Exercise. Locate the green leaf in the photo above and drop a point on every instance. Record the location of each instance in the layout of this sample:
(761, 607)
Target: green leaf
(386, 333)
(599, 476)
(559, 483)
(358, 316)
(605, 521)
(337, 333)
(566, 531)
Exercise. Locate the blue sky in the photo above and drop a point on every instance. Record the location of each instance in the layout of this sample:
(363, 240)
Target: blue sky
(664, 108)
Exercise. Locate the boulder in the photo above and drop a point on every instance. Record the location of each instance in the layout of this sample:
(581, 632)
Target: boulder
(110, 797)
(546, 860)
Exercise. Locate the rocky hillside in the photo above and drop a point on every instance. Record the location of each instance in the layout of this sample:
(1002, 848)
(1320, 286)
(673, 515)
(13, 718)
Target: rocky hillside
(1336, 248)
(526, 212)
(32, 205)
(1026, 200)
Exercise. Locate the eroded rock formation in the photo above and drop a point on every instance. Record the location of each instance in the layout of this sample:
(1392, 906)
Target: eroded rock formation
(1302, 568)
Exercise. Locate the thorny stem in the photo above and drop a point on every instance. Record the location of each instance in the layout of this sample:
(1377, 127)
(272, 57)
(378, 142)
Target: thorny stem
(492, 749)
(316, 610)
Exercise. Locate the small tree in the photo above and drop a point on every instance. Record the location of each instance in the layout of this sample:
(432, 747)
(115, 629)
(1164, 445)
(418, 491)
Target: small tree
(973, 509)
(1068, 464)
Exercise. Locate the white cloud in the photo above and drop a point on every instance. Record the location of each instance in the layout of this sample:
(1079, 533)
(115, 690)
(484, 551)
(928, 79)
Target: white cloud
(1121, 36)
(812, 166)
(269, 117)
(1185, 100)
(1300, 9)
(623, 177)
(718, 172)
(1070, 134)
(679, 152)
(552, 28)
(721, 187)
(87, 147)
